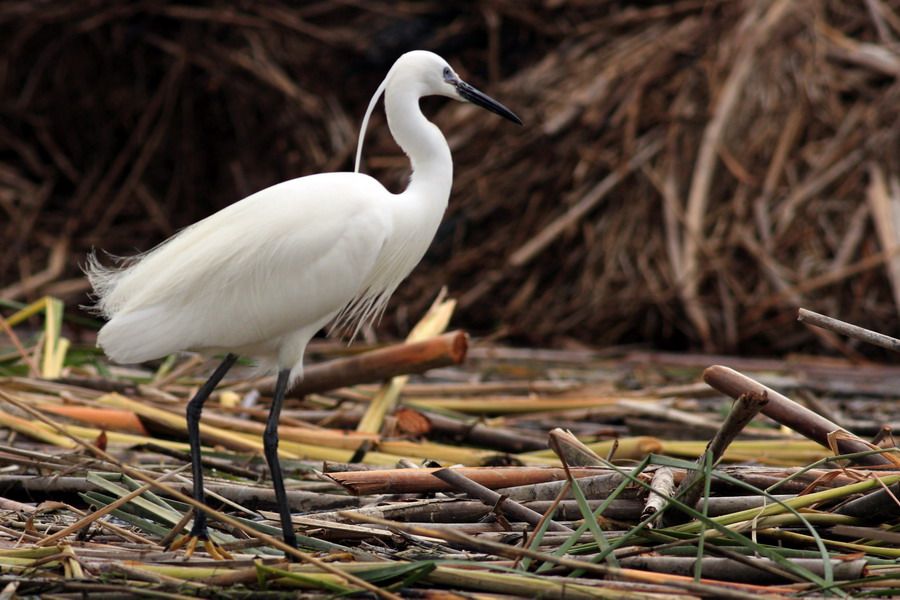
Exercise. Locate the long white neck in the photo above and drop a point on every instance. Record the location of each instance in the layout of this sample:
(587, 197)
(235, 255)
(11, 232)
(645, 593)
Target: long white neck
(423, 143)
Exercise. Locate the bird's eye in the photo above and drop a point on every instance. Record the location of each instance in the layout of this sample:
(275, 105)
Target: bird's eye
(448, 74)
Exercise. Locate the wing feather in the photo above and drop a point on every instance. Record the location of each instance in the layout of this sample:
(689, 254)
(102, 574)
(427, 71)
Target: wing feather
(284, 258)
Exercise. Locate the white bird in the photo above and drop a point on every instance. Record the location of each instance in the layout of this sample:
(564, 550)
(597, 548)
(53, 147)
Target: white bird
(262, 276)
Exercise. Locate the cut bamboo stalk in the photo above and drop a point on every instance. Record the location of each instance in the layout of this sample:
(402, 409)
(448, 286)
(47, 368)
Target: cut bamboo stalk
(789, 413)
(297, 450)
(90, 435)
(136, 474)
(55, 346)
(471, 431)
(105, 418)
(879, 506)
(399, 359)
(593, 486)
(454, 511)
(489, 497)
(889, 552)
(479, 544)
(29, 428)
(517, 586)
(418, 481)
(772, 452)
(752, 516)
(249, 495)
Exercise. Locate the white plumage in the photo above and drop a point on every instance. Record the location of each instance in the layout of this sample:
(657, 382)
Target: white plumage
(262, 276)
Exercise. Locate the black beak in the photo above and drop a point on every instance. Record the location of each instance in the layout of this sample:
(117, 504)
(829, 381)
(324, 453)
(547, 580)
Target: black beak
(469, 93)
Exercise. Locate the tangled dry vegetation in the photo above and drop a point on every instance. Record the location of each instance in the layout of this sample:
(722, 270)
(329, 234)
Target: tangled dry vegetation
(689, 171)
(94, 479)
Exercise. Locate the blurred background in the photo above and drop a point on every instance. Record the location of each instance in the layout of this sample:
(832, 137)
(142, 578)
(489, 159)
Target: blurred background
(689, 172)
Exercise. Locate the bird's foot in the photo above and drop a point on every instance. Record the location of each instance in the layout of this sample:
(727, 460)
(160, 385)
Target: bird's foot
(190, 542)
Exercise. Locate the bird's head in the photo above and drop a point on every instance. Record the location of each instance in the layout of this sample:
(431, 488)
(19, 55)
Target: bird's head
(425, 73)
(430, 75)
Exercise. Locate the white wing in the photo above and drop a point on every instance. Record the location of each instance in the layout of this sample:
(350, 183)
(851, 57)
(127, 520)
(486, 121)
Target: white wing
(288, 257)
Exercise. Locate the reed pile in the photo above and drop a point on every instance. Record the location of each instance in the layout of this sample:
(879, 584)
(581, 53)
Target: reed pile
(689, 173)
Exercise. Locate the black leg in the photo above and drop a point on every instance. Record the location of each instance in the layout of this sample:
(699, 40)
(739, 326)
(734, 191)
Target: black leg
(194, 408)
(270, 444)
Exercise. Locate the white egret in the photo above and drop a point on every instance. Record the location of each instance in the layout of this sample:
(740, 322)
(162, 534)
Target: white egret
(260, 277)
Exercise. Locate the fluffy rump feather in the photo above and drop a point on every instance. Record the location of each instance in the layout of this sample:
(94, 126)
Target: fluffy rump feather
(102, 280)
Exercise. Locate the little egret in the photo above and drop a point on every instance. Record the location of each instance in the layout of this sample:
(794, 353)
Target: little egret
(260, 277)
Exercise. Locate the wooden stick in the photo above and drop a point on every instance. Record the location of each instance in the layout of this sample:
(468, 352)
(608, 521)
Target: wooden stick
(399, 359)
(789, 413)
(594, 486)
(29, 486)
(662, 486)
(747, 406)
(417, 481)
(573, 451)
(853, 331)
(488, 496)
(473, 432)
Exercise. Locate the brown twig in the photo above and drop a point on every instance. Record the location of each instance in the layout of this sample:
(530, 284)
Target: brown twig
(854, 331)
(789, 413)
(26, 358)
(398, 359)
(747, 406)
(417, 481)
(515, 510)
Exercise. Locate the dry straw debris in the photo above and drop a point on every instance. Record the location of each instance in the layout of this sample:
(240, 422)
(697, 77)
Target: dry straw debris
(95, 484)
(690, 171)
